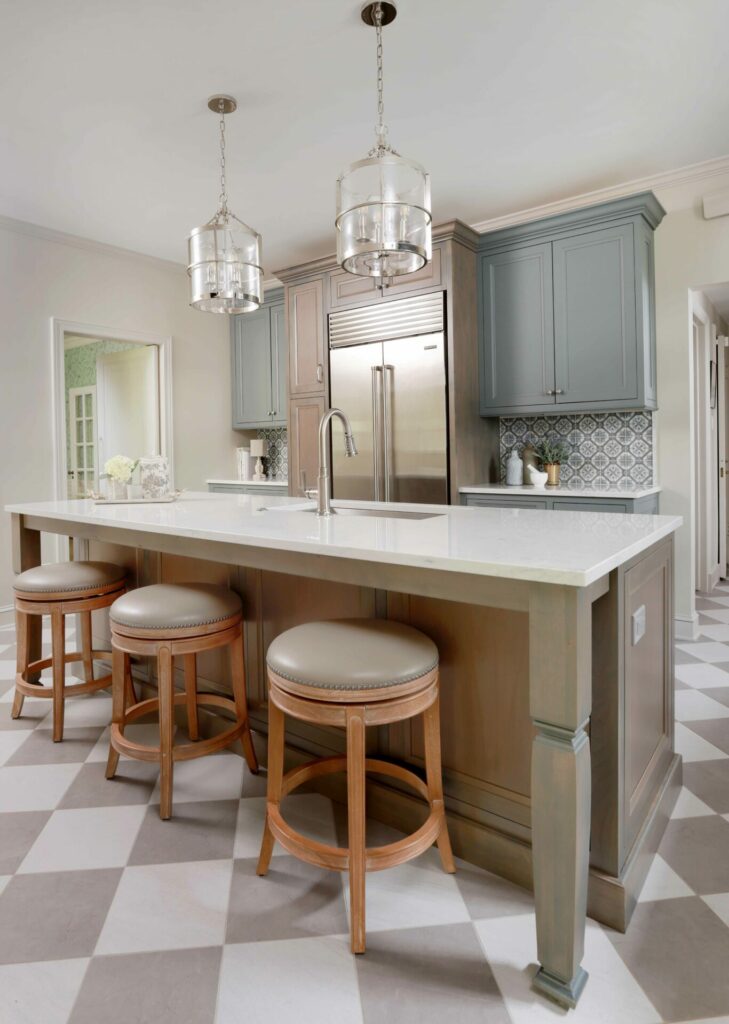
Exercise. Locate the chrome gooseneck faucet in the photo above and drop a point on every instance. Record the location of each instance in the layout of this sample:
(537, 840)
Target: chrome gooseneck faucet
(323, 500)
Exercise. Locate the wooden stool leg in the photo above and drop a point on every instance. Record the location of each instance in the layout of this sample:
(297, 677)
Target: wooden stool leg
(434, 778)
(238, 669)
(191, 693)
(22, 638)
(58, 651)
(131, 694)
(118, 660)
(166, 718)
(86, 646)
(276, 740)
(357, 818)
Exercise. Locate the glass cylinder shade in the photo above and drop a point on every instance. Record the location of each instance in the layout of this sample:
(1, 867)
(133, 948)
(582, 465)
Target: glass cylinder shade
(225, 266)
(383, 217)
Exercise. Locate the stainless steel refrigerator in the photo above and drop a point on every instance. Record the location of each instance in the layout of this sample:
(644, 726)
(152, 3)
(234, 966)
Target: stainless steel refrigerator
(388, 374)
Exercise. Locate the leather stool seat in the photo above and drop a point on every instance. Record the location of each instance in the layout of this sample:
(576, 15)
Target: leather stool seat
(68, 576)
(175, 606)
(355, 655)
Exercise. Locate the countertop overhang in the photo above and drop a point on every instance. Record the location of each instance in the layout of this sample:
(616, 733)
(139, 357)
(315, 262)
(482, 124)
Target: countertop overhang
(572, 548)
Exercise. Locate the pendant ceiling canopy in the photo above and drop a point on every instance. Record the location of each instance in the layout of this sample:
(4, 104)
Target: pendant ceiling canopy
(225, 254)
(383, 201)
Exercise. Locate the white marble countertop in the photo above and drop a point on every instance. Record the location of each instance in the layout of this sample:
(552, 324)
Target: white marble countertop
(252, 483)
(573, 548)
(560, 492)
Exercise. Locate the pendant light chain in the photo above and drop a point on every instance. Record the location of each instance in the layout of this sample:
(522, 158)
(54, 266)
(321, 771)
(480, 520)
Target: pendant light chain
(223, 199)
(381, 145)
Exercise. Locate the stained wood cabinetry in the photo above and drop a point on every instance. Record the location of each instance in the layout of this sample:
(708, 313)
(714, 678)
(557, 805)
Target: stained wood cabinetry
(566, 311)
(306, 330)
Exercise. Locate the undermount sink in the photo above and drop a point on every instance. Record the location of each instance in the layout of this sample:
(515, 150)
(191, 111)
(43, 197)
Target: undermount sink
(349, 510)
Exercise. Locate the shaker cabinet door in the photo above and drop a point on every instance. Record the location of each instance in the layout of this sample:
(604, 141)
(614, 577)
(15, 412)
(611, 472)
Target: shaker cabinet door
(517, 341)
(305, 323)
(304, 416)
(595, 336)
(279, 366)
(252, 369)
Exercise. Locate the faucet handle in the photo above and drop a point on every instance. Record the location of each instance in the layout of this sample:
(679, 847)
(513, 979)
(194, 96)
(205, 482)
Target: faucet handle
(311, 493)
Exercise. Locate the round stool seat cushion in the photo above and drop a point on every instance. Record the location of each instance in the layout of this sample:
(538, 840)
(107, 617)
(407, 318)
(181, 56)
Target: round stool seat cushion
(175, 606)
(71, 576)
(352, 654)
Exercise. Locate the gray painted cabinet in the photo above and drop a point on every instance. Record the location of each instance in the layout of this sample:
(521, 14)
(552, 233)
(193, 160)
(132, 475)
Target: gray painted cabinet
(258, 366)
(249, 487)
(647, 504)
(566, 312)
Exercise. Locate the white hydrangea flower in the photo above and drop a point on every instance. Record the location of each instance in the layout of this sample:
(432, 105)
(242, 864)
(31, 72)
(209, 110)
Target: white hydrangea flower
(120, 468)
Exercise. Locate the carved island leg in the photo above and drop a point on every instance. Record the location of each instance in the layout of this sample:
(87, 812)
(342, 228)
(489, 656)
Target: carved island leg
(26, 555)
(560, 634)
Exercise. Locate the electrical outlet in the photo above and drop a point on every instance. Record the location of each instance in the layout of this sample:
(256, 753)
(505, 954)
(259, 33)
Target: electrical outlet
(638, 622)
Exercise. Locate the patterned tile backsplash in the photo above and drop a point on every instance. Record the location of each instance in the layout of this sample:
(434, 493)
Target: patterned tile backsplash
(277, 460)
(606, 449)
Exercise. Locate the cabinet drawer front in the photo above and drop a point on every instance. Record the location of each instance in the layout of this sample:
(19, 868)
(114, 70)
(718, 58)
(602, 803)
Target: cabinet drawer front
(592, 505)
(516, 329)
(305, 330)
(349, 290)
(595, 338)
(494, 501)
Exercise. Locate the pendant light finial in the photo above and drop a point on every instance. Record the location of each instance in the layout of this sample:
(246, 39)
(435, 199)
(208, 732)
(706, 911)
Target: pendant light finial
(383, 202)
(225, 254)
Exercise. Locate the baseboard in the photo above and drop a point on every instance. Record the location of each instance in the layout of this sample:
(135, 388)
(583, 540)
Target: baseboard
(686, 628)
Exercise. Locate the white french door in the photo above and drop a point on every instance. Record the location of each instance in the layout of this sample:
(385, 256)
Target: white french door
(82, 433)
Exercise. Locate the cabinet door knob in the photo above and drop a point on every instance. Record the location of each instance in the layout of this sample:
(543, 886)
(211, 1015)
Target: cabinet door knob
(319, 373)
(550, 391)
(558, 391)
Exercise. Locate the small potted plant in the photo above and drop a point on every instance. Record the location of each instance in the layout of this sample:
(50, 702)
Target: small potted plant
(552, 452)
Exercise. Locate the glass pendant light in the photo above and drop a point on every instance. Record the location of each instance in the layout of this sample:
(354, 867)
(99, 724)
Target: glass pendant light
(383, 202)
(225, 254)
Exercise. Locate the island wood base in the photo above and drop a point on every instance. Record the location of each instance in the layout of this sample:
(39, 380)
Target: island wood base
(534, 676)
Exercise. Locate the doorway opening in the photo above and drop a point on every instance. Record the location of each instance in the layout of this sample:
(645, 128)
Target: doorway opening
(112, 396)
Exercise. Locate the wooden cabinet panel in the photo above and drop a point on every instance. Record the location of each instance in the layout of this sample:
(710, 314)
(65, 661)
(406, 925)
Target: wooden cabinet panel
(304, 416)
(595, 338)
(517, 340)
(349, 290)
(306, 330)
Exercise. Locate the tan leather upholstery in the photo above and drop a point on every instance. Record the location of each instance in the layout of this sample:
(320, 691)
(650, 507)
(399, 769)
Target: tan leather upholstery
(352, 654)
(72, 576)
(175, 606)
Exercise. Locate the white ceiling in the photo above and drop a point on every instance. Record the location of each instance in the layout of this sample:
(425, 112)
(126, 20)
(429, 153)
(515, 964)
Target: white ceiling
(105, 132)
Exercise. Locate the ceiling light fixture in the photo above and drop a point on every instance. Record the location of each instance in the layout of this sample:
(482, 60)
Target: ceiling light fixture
(383, 202)
(225, 254)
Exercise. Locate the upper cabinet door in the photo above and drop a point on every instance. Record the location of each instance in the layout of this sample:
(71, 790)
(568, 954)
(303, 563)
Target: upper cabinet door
(595, 338)
(305, 322)
(517, 341)
(279, 366)
(252, 369)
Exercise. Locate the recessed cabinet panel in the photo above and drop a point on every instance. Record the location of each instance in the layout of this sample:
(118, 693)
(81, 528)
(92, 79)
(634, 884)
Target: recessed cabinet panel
(349, 290)
(517, 352)
(594, 317)
(304, 416)
(252, 369)
(306, 338)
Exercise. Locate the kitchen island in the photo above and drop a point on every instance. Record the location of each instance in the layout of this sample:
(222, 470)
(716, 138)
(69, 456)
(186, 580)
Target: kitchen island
(555, 634)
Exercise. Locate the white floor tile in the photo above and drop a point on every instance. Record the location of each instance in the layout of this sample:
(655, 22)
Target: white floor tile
(413, 895)
(7, 668)
(694, 706)
(219, 777)
(10, 740)
(719, 632)
(290, 980)
(4, 647)
(708, 651)
(168, 906)
(89, 711)
(88, 837)
(611, 996)
(4, 879)
(693, 747)
(717, 614)
(702, 676)
(720, 905)
(309, 813)
(688, 805)
(662, 883)
(35, 787)
(718, 596)
(40, 993)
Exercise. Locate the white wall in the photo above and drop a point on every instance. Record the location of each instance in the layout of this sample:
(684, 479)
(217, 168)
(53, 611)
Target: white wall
(43, 277)
(690, 253)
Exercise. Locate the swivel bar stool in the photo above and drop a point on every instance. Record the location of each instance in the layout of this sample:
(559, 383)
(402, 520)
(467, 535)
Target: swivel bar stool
(58, 590)
(164, 621)
(354, 673)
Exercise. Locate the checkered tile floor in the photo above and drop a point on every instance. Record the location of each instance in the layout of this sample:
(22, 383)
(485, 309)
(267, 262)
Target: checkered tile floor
(109, 915)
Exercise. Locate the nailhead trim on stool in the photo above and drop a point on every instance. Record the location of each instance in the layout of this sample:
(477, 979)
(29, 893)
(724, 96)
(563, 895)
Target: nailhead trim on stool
(395, 697)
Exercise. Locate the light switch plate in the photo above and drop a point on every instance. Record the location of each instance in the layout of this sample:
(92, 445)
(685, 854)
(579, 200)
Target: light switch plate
(638, 621)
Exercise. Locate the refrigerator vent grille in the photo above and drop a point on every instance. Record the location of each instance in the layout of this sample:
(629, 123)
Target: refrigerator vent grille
(401, 318)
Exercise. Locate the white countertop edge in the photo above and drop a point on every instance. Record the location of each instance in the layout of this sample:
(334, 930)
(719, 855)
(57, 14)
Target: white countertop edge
(251, 483)
(559, 492)
(666, 525)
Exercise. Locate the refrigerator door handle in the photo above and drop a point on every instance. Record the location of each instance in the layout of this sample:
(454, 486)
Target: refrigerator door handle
(376, 436)
(387, 428)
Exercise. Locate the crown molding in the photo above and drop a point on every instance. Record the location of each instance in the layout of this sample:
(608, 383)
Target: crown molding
(689, 175)
(22, 227)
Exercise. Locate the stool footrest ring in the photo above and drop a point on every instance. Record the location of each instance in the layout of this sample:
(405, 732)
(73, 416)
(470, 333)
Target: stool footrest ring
(336, 858)
(69, 689)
